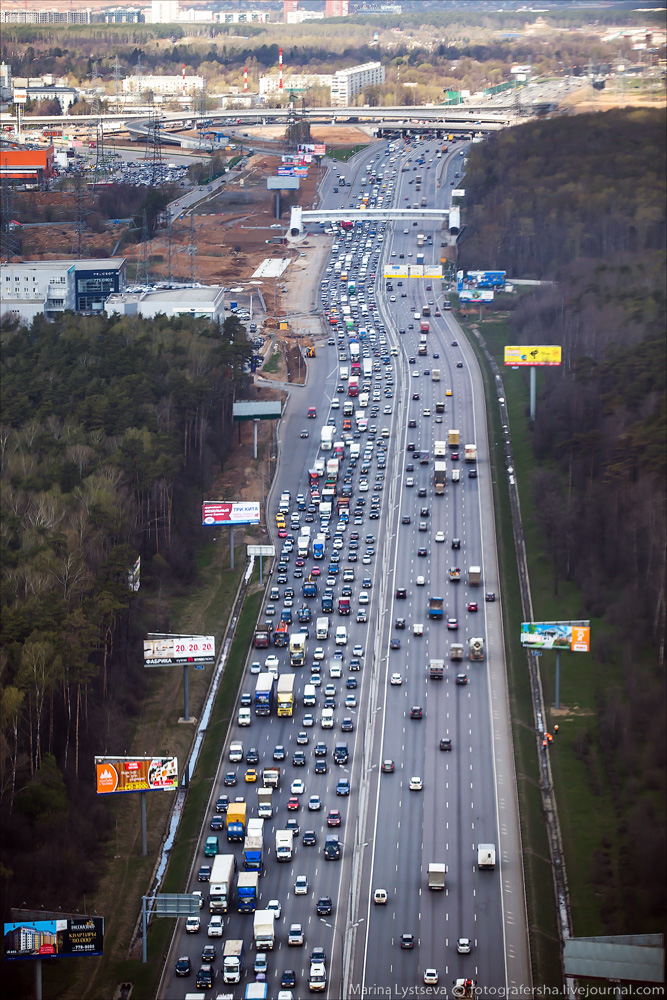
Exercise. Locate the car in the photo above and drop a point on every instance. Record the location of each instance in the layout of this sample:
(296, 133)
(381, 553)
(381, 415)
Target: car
(308, 720)
(272, 662)
(295, 935)
(343, 786)
(279, 752)
(405, 519)
(204, 873)
(459, 364)
(222, 803)
(463, 946)
(217, 822)
(309, 838)
(401, 593)
(472, 473)
(251, 774)
(293, 803)
(416, 712)
(431, 977)
(409, 482)
(314, 803)
(230, 779)
(274, 904)
(350, 701)
(288, 978)
(358, 650)
(387, 766)
(215, 926)
(472, 606)
(334, 817)
(452, 624)
(422, 552)
(293, 825)
(396, 680)
(416, 784)
(318, 653)
(394, 643)
(456, 543)
(324, 906)
(255, 667)
(407, 940)
(461, 678)
(301, 886)
(448, 392)
(489, 597)
(445, 744)
(346, 726)
(297, 787)
(261, 963)
(183, 967)
(192, 925)
(302, 738)
(303, 434)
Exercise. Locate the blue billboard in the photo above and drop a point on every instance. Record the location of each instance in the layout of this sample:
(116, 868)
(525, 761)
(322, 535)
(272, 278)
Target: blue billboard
(487, 279)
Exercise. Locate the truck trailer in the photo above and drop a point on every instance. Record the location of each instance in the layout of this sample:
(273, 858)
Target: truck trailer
(247, 891)
(436, 875)
(285, 694)
(264, 930)
(221, 884)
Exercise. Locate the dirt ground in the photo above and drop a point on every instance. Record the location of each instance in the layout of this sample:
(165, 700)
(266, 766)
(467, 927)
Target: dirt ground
(585, 100)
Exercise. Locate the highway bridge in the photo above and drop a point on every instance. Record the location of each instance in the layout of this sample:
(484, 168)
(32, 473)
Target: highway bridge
(299, 217)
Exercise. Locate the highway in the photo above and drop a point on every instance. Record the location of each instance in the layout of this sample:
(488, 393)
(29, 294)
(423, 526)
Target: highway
(389, 833)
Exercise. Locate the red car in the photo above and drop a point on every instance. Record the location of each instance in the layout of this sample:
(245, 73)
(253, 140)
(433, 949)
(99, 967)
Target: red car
(293, 803)
(472, 606)
(315, 571)
(455, 456)
(333, 819)
(282, 532)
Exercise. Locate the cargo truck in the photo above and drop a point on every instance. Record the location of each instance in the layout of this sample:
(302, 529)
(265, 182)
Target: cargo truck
(247, 891)
(420, 257)
(302, 546)
(265, 802)
(332, 469)
(221, 884)
(435, 374)
(456, 651)
(232, 961)
(271, 777)
(309, 590)
(440, 406)
(236, 821)
(474, 576)
(253, 853)
(256, 991)
(284, 845)
(285, 695)
(281, 634)
(436, 875)
(264, 694)
(424, 326)
(476, 648)
(455, 574)
(318, 547)
(261, 640)
(420, 239)
(435, 607)
(326, 438)
(456, 475)
(486, 855)
(322, 628)
(470, 453)
(454, 437)
(439, 477)
(422, 350)
(436, 670)
(263, 929)
(440, 450)
(297, 650)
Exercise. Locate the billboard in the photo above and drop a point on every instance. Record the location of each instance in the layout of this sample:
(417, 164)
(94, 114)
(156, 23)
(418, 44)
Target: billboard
(530, 355)
(285, 171)
(319, 149)
(64, 937)
(573, 636)
(20, 95)
(487, 279)
(220, 512)
(134, 576)
(119, 775)
(459, 193)
(169, 650)
(476, 295)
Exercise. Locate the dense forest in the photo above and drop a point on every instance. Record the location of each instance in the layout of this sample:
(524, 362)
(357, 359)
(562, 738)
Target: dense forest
(110, 431)
(582, 201)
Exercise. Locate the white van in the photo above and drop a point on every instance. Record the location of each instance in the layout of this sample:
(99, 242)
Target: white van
(327, 718)
(334, 670)
(341, 635)
(244, 717)
(309, 696)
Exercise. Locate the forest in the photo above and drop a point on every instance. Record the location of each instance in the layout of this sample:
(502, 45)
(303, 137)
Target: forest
(110, 431)
(582, 201)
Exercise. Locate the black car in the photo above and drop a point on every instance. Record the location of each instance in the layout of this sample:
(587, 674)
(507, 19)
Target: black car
(324, 906)
(350, 683)
(279, 753)
(456, 543)
(230, 779)
(460, 364)
(204, 873)
(320, 766)
(288, 978)
(217, 822)
(346, 726)
(401, 593)
(309, 838)
(252, 756)
(320, 749)
(183, 967)
(472, 473)
(208, 953)
(299, 758)
(421, 492)
(399, 623)
(222, 803)
(416, 712)
(394, 643)
(205, 977)
(406, 518)
(407, 940)
(445, 744)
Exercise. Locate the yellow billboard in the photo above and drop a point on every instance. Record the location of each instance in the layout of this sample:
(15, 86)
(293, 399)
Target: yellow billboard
(530, 355)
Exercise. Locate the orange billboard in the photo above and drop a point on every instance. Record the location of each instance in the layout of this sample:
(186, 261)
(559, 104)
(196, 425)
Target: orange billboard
(119, 775)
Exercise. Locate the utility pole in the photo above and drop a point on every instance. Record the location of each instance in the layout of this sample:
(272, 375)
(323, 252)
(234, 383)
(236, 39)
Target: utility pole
(81, 214)
(143, 266)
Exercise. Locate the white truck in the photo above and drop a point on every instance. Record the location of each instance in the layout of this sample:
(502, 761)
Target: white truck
(221, 883)
(470, 453)
(303, 545)
(264, 930)
(284, 845)
(436, 875)
(232, 961)
(486, 856)
(440, 451)
(476, 648)
(474, 576)
(322, 628)
(265, 802)
(326, 437)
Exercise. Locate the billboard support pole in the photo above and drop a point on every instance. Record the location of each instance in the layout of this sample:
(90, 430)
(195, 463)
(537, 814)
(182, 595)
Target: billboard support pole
(144, 836)
(254, 441)
(557, 660)
(533, 380)
(231, 547)
(144, 932)
(186, 693)
(38, 976)
(260, 571)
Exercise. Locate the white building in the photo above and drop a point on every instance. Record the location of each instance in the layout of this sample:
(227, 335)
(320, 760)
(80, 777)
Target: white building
(299, 16)
(48, 287)
(164, 12)
(5, 81)
(299, 81)
(206, 302)
(347, 83)
(166, 85)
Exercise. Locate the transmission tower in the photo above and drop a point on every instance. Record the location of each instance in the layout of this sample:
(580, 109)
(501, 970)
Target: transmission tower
(79, 247)
(297, 130)
(10, 246)
(154, 149)
(116, 84)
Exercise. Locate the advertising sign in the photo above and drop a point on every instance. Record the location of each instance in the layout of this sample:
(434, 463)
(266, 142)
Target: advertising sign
(533, 355)
(476, 295)
(301, 171)
(119, 775)
(573, 636)
(319, 149)
(285, 171)
(459, 193)
(487, 279)
(220, 512)
(433, 271)
(134, 576)
(167, 650)
(20, 95)
(65, 937)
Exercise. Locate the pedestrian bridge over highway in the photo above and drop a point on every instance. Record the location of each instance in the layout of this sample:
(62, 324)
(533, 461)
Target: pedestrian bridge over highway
(300, 217)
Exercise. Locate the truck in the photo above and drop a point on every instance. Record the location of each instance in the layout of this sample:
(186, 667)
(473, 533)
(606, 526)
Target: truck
(297, 652)
(271, 777)
(344, 607)
(326, 438)
(440, 450)
(424, 326)
(284, 845)
(476, 648)
(353, 386)
(256, 991)
(332, 469)
(422, 350)
(236, 821)
(354, 350)
(318, 546)
(455, 574)
(318, 466)
(456, 475)
(285, 694)
(486, 856)
(454, 437)
(440, 406)
(264, 694)
(232, 961)
(265, 802)
(464, 987)
(420, 239)
(474, 576)
(436, 670)
(456, 651)
(339, 449)
(436, 875)
(261, 640)
(263, 930)
(247, 891)
(470, 453)
(435, 607)
(322, 628)
(302, 546)
(368, 368)
(281, 634)
(348, 407)
(344, 373)
(253, 852)
(439, 477)
(420, 260)
(221, 884)
(309, 589)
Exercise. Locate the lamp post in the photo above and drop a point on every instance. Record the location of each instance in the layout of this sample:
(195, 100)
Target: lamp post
(343, 937)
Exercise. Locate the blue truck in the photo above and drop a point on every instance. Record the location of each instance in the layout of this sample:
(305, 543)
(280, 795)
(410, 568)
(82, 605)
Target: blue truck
(247, 891)
(309, 588)
(264, 694)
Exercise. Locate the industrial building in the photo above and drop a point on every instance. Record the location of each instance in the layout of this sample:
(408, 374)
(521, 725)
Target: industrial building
(347, 83)
(22, 166)
(48, 288)
(203, 302)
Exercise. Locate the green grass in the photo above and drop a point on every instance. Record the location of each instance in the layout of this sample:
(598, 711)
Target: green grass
(274, 361)
(346, 152)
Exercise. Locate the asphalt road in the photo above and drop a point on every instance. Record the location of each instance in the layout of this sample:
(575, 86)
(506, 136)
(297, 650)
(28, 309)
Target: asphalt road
(389, 833)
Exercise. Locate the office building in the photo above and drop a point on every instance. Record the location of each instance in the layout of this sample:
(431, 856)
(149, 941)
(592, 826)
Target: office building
(164, 12)
(347, 83)
(165, 85)
(337, 8)
(297, 81)
(33, 288)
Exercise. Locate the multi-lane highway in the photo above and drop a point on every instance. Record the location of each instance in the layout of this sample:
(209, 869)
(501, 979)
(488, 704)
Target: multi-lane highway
(397, 531)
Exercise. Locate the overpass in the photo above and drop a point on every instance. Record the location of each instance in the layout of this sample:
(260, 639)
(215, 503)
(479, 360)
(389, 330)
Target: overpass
(299, 216)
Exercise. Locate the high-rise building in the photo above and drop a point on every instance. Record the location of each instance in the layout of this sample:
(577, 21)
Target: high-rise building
(337, 8)
(349, 82)
(290, 7)
(164, 11)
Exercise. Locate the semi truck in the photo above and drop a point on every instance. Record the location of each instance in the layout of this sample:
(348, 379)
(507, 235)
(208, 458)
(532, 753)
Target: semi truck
(456, 651)
(232, 961)
(265, 802)
(284, 845)
(297, 650)
(435, 607)
(264, 694)
(263, 930)
(247, 891)
(436, 670)
(285, 695)
(436, 875)
(454, 437)
(326, 438)
(474, 576)
(221, 884)
(236, 821)
(322, 628)
(476, 648)
(470, 453)
(439, 477)
(486, 856)
(318, 546)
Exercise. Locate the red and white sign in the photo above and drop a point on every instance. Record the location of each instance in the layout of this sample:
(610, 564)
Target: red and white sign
(220, 512)
(319, 149)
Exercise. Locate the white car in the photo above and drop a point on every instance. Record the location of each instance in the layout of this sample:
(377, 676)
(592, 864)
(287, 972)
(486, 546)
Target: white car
(255, 666)
(416, 784)
(409, 481)
(427, 412)
(271, 662)
(314, 803)
(215, 927)
(192, 925)
(463, 946)
(396, 680)
(363, 486)
(363, 597)
(318, 653)
(335, 405)
(301, 886)
(274, 904)
(415, 374)
(431, 977)
(308, 720)
(357, 650)
(350, 701)
(297, 787)
(439, 536)
(420, 581)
